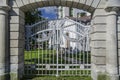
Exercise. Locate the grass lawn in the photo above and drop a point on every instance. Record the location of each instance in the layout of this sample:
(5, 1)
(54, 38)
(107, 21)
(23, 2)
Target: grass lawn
(49, 56)
(57, 78)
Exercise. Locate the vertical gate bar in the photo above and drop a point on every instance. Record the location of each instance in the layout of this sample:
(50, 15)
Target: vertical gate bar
(30, 54)
(79, 46)
(84, 56)
(49, 50)
(82, 59)
(77, 50)
(61, 50)
(57, 47)
(42, 27)
(46, 56)
(65, 59)
(26, 55)
(54, 50)
(38, 46)
(45, 53)
(77, 61)
(69, 46)
(31, 57)
(67, 51)
(57, 60)
(72, 62)
(61, 59)
(42, 58)
(79, 58)
(52, 42)
(41, 64)
(41, 48)
(35, 53)
(46, 50)
(87, 45)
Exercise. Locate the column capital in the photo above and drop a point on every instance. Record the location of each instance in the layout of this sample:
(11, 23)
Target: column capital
(110, 9)
(4, 9)
(7, 8)
(112, 5)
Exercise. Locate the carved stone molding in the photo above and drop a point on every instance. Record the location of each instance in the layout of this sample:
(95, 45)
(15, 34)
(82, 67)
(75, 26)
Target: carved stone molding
(112, 5)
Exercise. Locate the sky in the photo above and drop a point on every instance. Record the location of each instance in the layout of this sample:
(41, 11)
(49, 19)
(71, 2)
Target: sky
(48, 12)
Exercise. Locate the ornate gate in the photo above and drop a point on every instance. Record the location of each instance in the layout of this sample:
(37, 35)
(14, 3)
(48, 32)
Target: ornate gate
(57, 47)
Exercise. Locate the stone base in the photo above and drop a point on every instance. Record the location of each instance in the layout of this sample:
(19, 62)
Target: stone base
(105, 76)
(97, 71)
(5, 77)
(112, 77)
(15, 76)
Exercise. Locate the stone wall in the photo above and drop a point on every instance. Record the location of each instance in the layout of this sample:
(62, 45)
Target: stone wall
(98, 41)
(16, 43)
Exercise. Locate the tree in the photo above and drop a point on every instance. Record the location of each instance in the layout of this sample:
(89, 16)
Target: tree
(83, 14)
(32, 17)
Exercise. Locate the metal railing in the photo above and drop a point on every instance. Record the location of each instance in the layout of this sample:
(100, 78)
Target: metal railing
(58, 47)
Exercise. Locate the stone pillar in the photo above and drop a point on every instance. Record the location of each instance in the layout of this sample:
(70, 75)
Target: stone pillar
(16, 44)
(111, 45)
(4, 56)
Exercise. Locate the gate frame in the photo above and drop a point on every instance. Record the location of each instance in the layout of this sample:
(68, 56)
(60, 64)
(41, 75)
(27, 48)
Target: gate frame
(59, 24)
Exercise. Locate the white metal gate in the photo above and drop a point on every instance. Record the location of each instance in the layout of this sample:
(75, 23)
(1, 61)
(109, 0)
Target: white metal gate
(57, 47)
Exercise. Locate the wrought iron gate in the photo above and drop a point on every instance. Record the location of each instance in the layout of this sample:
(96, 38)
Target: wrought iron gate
(57, 47)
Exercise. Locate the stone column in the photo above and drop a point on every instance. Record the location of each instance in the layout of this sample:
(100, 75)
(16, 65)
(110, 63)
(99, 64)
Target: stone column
(111, 45)
(4, 56)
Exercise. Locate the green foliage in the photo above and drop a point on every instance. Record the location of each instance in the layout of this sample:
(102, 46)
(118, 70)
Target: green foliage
(32, 16)
(83, 14)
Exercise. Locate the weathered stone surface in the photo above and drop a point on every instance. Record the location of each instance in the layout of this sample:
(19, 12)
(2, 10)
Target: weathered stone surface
(16, 35)
(16, 59)
(98, 60)
(17, 43)
(28, 5)
(16, 51)
(98, 44)
(98, 36)
(15, 67)
(98, 52)
(17, 19)
(17, 28)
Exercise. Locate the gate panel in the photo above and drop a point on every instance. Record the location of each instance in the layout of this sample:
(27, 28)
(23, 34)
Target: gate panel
(57, 47)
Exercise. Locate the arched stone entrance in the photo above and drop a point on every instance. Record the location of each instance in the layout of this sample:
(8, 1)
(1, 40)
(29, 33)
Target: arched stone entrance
(103, 35)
